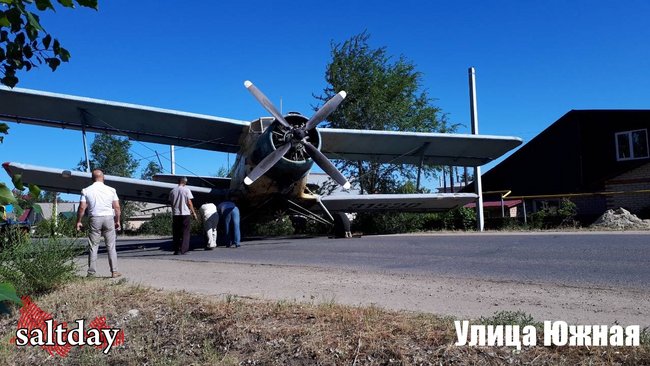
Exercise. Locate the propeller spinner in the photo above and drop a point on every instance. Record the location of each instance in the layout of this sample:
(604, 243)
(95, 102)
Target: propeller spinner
(297, 136)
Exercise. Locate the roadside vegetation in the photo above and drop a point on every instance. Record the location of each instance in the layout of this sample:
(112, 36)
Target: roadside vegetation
(38, 266)
(464, 219)
(181, 328)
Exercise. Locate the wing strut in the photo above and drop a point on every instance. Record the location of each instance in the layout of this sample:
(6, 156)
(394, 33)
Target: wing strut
(320, 202)
(303, 211)
(422, 149)
(83, 113)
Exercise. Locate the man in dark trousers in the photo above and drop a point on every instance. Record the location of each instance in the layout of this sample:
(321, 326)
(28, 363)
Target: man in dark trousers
(182, 207)
(229, 214)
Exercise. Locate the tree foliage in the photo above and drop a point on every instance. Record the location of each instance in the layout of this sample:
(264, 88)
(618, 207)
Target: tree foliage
(4, 130)
(8, 294)
(223, 172)
(111, 154)
(24, 43)
(150, 170)
(6, 195)
(383, 94)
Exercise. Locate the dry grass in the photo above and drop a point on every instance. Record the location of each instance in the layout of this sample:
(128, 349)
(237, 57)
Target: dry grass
(175, 328)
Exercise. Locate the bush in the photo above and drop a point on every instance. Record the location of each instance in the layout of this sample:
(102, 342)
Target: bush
(504, 223)
(196, 226)
(160, 224)
(278, 227)
(65, 226)
(383, 223)
(460, 218)
(551, 217)
(306, 226)
(35, 267)
(567, 212)
(506, 317)
(392, 222)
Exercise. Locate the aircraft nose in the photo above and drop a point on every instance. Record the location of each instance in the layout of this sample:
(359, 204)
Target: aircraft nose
(299, 133)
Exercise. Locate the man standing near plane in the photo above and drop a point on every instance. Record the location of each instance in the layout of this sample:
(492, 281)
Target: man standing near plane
(104, 213)
(181, 200)
(210, 223)
(229, 215)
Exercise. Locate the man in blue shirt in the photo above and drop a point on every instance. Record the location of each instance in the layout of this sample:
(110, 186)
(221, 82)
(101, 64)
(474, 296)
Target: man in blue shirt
(229, 213)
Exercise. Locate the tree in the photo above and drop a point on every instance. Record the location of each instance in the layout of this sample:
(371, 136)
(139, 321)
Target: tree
(111, 154)
(382, 95)
(223, 172)
(24, 43)
(150, 170)
(4, 130)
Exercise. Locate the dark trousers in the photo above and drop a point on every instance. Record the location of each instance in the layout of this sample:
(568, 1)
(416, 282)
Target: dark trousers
(181, 233)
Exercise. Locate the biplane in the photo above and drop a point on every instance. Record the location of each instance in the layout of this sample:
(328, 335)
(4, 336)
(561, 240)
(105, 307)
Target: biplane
(274, 155)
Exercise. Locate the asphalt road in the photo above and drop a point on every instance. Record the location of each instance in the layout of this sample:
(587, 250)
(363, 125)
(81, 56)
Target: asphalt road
(594, 259)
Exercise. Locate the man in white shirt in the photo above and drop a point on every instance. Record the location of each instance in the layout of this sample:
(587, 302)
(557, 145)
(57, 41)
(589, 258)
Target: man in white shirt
(210, 223)
(104, 218)
(181, 200)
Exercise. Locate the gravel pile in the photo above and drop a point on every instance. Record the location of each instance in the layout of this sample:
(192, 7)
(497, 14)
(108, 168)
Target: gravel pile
(620, 219)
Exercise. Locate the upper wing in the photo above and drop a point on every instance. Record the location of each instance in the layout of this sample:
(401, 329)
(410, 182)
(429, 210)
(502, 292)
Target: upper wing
(70, 181)
(397, 202)
(141, 123)
(414, 147)
(170, 127)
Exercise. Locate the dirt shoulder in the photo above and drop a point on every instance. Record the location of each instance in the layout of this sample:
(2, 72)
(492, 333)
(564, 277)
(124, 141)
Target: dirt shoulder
(462, 298)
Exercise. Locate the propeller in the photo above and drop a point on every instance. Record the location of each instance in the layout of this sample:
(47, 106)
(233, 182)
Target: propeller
(267, 163)
(266, 103)
(298, 137)
(325, 110)
(325, 164)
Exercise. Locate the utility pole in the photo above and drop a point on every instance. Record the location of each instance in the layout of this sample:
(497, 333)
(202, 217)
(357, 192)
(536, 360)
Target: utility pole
(478, 186)
(173, 159)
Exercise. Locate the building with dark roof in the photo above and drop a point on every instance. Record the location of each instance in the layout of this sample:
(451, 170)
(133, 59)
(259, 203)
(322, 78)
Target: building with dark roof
(599, 158)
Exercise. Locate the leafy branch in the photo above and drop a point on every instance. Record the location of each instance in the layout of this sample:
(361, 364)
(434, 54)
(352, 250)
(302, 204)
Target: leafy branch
(24, 43)
(7, 294)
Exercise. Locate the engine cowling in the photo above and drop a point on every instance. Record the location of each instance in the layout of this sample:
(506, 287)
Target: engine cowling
(295, 163)
(294, 143)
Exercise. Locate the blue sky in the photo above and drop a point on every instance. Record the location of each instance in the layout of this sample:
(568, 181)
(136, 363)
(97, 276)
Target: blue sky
(535, 61)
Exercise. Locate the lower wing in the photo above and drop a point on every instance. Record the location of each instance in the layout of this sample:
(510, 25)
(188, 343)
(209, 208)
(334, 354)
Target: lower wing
(70, 181)
(397, 202)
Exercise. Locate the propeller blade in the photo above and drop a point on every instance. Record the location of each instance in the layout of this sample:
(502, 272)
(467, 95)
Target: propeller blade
(267, 163)
(325, 110)
(266, 103)
(325, 164)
